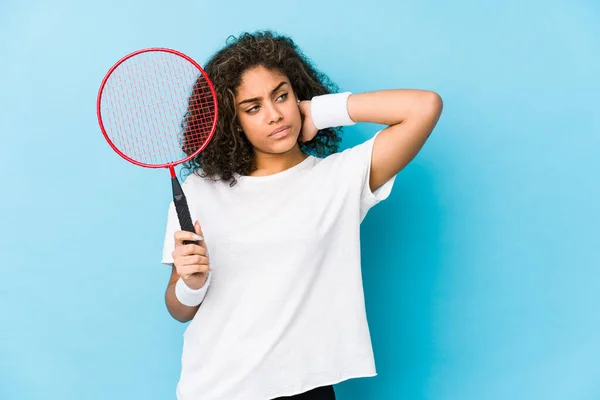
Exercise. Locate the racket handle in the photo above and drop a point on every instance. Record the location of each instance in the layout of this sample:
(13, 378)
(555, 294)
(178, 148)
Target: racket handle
(183, 211)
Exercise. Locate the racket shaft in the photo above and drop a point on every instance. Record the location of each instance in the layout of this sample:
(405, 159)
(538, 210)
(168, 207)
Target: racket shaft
(183, 211)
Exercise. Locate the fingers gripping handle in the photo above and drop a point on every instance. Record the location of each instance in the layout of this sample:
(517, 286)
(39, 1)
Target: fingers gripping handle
(183, 211)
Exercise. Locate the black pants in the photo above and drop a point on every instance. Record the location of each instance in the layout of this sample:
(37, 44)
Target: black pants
(320, 393)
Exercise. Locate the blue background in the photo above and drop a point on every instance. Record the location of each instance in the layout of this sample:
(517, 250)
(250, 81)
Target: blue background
(481, 270)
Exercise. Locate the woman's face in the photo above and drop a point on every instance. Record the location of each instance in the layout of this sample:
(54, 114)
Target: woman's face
(267, 110)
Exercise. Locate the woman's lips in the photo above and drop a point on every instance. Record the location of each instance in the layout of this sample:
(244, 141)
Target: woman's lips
(280, 133)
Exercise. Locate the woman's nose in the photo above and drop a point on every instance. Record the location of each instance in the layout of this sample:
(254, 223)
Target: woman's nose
(275, 114)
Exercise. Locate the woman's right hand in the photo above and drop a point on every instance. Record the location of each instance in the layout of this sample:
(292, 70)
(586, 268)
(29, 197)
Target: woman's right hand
(309, 130)
(191, 260)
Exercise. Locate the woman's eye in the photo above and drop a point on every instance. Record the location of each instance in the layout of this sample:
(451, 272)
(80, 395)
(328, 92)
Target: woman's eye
(252, 110)
(283, 97)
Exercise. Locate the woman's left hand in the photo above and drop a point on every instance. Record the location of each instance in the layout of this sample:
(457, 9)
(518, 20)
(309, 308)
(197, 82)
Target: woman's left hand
(309, 130)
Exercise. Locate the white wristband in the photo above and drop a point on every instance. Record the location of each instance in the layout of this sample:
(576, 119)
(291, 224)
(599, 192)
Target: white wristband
(191, 297)
(330, 110)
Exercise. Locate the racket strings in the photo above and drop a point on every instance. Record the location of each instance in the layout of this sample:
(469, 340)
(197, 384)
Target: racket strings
(157, 108)
(200, 117)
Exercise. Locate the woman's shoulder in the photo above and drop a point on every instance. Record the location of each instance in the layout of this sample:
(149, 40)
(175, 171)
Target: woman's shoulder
(356, 147)
(335, 157)
(348, 158)
(198, 179)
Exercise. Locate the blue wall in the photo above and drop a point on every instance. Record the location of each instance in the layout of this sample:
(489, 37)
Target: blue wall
(481, 270)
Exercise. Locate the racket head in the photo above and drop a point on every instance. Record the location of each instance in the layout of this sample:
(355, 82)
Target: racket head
(157, 108)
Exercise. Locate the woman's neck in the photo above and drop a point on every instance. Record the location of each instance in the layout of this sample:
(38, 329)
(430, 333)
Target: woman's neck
(269, 164)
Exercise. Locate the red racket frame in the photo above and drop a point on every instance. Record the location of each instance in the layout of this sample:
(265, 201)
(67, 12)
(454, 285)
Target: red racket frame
(170, 165)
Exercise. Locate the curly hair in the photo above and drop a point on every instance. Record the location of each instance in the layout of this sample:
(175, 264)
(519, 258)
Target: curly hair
(230, 152)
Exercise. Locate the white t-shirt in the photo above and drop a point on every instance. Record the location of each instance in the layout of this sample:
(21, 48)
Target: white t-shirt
(284, 312)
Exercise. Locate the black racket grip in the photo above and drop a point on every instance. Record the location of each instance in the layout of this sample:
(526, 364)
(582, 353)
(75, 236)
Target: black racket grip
(183, 211)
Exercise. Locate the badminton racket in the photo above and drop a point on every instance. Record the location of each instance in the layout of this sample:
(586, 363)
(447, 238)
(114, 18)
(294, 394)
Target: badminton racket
(157, 108)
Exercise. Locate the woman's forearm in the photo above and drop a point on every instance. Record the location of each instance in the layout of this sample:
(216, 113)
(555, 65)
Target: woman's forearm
(410, 115)
(390, 107)
(180, 312)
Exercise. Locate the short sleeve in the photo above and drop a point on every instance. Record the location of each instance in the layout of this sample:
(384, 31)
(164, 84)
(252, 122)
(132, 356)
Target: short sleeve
(358, 159)
(370, 198)
(169, 240)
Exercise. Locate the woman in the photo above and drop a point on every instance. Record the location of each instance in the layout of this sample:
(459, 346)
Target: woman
(274, 286)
